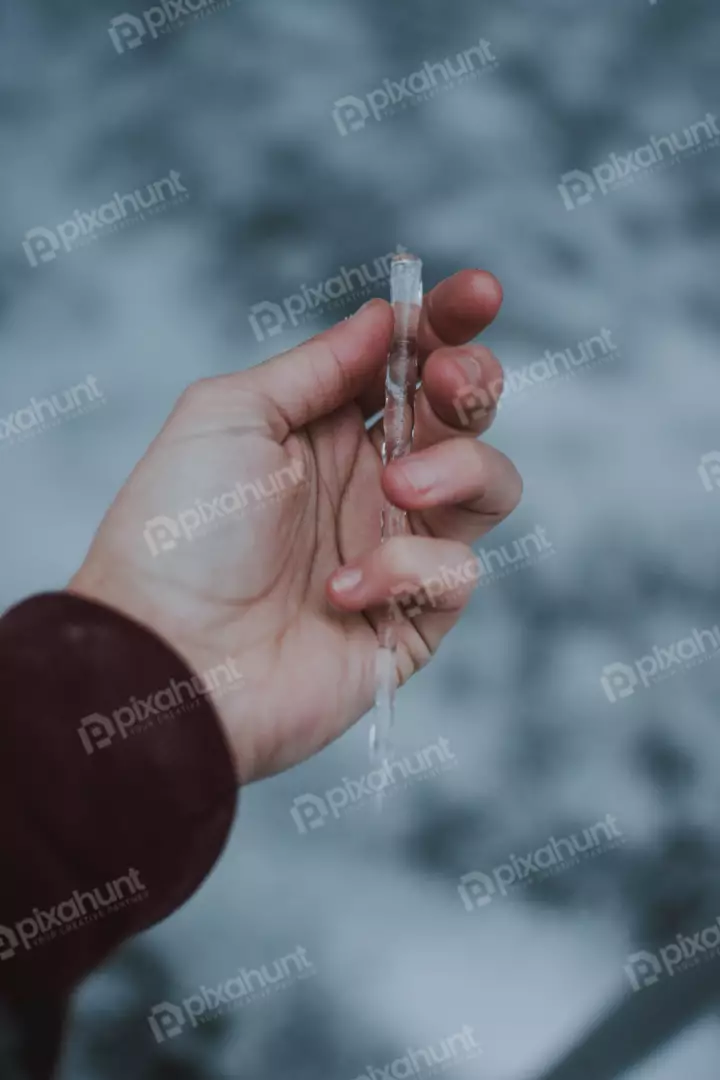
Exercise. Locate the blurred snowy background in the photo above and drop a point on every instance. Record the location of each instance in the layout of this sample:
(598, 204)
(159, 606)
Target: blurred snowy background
(239, 101)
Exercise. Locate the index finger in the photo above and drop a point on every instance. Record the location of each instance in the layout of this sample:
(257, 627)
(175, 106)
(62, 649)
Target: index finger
(458, 309)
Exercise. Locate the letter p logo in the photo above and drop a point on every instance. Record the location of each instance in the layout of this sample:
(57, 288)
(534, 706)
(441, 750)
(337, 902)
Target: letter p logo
(161, 534)
(8, 943)
(267, 319)
(576, 188)
(166, 1021)
(618, 681)
(127, 32)
(96, 732)
(40, 244)
(473, 402)
(408, 600)
(643, 969)
(309, 812)
(350, 114)
(476, 890)
(709, 470)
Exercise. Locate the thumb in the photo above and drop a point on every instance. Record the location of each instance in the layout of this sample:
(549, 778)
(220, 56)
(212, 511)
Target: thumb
(328, 371)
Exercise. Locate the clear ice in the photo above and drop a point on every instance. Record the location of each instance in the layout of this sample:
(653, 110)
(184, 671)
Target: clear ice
(406, 294)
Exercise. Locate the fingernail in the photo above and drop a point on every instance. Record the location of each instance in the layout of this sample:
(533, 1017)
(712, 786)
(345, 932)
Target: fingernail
(346, 580)
(420, 474)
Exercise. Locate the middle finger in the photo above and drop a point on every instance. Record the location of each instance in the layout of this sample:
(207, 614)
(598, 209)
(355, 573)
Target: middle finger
(458, 490)
(458, 396)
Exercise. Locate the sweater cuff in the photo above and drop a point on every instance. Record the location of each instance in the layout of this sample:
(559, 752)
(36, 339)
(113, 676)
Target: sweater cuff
(117, 788)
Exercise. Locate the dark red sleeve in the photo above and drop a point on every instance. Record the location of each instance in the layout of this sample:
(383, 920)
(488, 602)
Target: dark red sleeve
(117, 790)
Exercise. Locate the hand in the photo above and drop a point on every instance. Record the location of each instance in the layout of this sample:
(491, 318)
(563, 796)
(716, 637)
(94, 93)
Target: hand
(290, 585)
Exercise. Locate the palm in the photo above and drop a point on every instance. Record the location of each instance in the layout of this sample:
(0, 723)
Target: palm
(251, 585)
(312, 665)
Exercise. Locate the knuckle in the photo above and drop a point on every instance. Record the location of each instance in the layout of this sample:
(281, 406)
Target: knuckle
(198, 392)
(494, 375)
(514, 486)
(503, 482)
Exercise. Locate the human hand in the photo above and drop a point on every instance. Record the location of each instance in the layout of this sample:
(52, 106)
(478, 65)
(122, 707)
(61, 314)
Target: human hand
(290, 586)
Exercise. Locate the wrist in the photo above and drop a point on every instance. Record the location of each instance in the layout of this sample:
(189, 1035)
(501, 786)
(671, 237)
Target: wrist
(216, 676)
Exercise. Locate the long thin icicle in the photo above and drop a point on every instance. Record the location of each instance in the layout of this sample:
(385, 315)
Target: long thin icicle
(406, 293)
